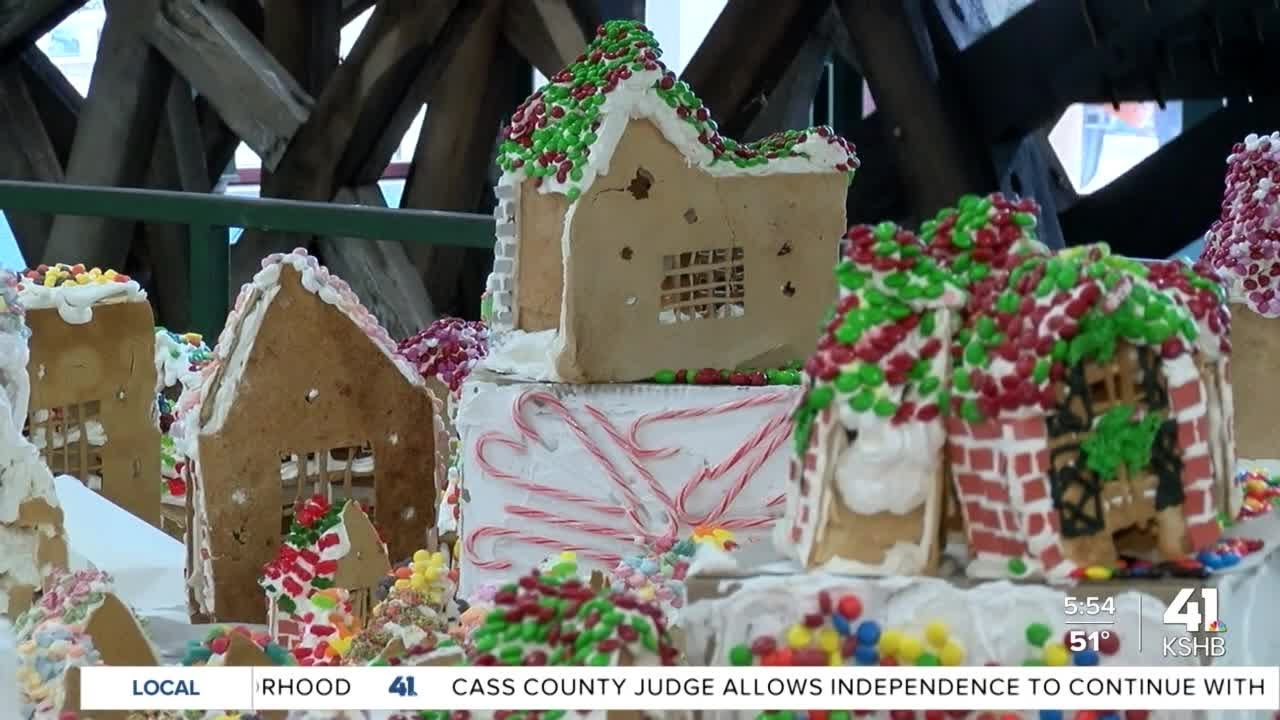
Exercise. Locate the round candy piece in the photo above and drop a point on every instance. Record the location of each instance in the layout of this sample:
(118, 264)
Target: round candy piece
(868, 633)
(1108, 642)
(829, 640)
(936, 633)
(849, 606)
(799, 636)
(890, 640)
(1037, 634)
(909, 649)
(951, 654)
(740, 655)
(1085, 658)
(1056, 655)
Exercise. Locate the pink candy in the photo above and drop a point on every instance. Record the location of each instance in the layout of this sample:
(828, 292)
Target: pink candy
(447, 350)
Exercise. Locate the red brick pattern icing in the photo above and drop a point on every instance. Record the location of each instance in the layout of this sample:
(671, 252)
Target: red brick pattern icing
(1186, 404)
(1001, 473)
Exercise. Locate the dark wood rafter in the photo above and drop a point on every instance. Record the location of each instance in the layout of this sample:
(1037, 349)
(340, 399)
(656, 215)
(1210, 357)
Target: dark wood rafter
(26, 153)
(177, 162)
(936, 165)
(1133, 214)
(791, 104)
(380, 271)
(350, 114)
(126, 101)
(56, 101)
(227, 65)
(621, 9)
(450, 169)
(220, 142)
(549, 34)
(736, 68)
(1024, 166)
(22, 21)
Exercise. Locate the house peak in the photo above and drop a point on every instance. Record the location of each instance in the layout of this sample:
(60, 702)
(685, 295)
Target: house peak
(563, 134)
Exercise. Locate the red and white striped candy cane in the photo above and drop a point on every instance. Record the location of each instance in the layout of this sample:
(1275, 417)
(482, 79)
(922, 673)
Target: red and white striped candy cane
(539, 540)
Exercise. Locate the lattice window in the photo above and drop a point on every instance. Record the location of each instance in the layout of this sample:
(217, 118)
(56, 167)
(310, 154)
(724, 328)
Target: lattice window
(71, 440)
(702, 285)
(1132, 377)
(346, 473)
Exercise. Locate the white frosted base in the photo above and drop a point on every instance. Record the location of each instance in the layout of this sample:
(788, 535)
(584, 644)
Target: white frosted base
(577, 438)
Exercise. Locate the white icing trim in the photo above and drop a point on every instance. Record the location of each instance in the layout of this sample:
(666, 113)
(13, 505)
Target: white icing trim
(74, 303)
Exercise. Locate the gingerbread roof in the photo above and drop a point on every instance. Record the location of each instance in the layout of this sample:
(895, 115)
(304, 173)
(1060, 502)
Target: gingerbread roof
(447, 350)
(1025, 316)
(222, 375)
(1244, 243)
(310, 555)
(565, 133)
(73, 290)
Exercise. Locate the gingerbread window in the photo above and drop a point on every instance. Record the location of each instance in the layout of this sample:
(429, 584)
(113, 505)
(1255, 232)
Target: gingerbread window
(703, 285)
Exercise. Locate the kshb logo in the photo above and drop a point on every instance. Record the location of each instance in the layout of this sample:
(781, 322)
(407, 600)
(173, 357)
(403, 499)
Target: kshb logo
(1196, 611)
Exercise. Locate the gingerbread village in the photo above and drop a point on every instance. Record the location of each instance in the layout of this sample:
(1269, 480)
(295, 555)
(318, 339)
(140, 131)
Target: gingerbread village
(740, 431)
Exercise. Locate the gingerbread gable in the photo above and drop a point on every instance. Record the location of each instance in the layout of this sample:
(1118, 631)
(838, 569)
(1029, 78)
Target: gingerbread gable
(92, 405)
(624, 213)
(305, 396)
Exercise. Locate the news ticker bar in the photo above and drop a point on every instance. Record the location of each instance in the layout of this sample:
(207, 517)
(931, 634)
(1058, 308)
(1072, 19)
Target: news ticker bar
(681, 688)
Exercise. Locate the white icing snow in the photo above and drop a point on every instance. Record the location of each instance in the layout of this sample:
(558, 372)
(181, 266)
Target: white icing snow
(75, 302)
(8, 667)
(888, 467)
(525, 355)
(91, 431)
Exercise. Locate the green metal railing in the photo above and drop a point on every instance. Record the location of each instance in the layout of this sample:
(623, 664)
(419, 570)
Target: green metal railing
(210, 216)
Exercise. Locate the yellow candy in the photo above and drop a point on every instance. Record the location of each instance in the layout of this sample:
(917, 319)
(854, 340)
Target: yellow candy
(109, 275)
(421, 556)
(568, 556)
(50, 280)
(910, 648)
(647, 592)
(936, 633)
(1056, 655)
(1097, 572)
(402, 584)
(340, 645)
(835, 660)
(799, 636)
(829, 639)
(951, 654)
(419, 567)
(890, 640)
(69, 282)
(83, 279)
(417, 582)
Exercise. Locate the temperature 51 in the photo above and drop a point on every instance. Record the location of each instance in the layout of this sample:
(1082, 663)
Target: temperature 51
(1103, 641)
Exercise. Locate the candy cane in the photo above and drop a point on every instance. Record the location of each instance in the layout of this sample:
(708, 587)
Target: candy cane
(497, 532)
(579, 525)
(535, 488)
(749, 401)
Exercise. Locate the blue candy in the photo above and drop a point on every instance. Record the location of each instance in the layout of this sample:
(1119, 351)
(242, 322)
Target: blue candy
(1085, 658)
(840, 624)
(866, 655)
(868, 632)
(1050, 715)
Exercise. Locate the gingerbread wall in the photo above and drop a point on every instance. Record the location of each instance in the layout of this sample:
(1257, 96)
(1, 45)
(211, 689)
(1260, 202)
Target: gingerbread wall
(312, 381)
(1186, 403)
(109, 362)
(988, 460)
(654, 227)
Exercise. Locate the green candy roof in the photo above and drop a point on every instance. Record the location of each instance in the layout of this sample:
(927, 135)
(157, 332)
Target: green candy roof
(553, 133)
(1023, 315)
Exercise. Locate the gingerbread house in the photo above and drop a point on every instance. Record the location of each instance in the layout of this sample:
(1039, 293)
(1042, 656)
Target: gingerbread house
(1079, 402)
(78, 622)
(1243, 245)
(305, 396)
(92, 389)
(319, 588)
(622, 212)
(31, 539)
(179, 359)
(410, 626)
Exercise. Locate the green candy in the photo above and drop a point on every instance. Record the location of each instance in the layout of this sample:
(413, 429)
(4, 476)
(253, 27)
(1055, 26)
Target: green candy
(927, 322)
(896, 279)
(1041, 371)
(929, 385)
(1017, 567)
(862, 401)
(1038, 634)
(969, 410)
(666, 377)
(962, 239)
(870, 374)
(847, 382)
(885, 407)
(820, 397)
(484, 643)
(928, 660)
(847, 335)
(975, 354)
(740, 655)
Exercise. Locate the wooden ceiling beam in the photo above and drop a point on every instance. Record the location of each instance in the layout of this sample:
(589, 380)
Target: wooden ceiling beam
(450, 169)
(379, 271)
(22, 21)
(549, 34)
(350, 114)
(125, 103)
(26, 153)
(744, 56)
(228, 65)
(56, 100)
